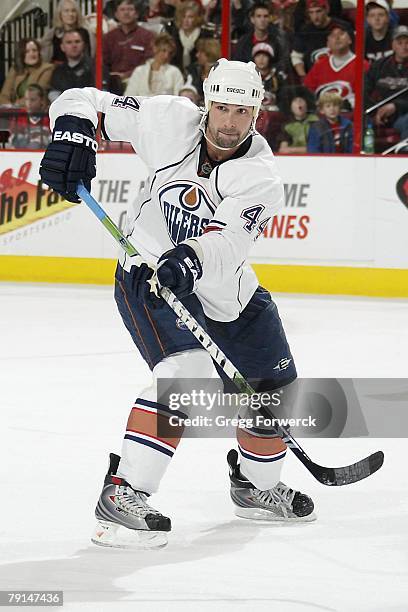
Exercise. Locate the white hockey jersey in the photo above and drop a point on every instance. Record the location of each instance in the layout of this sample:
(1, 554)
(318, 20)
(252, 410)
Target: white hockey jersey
(224, 206)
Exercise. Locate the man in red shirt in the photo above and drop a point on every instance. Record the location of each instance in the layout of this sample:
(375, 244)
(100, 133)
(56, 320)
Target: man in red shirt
(125, 47)
(335, 72)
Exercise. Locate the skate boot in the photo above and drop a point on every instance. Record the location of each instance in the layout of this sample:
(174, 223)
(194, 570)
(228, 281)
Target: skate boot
(125, 520)
(278, 504)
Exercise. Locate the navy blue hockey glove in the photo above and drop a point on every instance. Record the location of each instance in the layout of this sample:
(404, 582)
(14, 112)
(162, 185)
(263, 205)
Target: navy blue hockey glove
(144, 286)
(70, 157)
(179, 269)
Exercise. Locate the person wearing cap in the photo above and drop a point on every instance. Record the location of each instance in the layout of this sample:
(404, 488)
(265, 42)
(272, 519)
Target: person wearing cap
(378, 36)
(273, 78)
(335, 72)
(387, 76)
(300, 16)
(310, 42)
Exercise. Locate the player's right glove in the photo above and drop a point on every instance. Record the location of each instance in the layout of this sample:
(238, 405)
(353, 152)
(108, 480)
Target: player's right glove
(179, 269)
(144, 286)
(70, 157)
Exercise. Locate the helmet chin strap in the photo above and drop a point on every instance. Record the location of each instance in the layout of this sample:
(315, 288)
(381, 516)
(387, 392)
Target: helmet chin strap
(227, 148)
(203, 128)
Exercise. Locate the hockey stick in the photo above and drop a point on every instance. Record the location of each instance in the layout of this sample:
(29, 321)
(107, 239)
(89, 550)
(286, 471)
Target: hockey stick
(336, 476)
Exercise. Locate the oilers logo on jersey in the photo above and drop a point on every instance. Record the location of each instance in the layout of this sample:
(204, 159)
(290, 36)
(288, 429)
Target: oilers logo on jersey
(186, 208)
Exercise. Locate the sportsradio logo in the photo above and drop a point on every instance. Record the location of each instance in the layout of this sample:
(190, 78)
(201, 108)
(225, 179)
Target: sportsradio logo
(187, 209)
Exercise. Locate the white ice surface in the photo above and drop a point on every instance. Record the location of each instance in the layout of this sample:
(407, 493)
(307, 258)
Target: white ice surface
(68, 376)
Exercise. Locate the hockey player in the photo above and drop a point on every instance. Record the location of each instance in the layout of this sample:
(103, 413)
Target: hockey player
(211, 190)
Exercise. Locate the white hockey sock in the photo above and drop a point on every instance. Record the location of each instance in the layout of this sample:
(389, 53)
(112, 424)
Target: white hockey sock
(145, 456)
(148, 446)
(263, 471)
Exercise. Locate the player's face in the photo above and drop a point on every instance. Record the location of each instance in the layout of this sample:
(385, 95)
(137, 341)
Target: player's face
(317, 15)
(228, 124)
(377, 18)
(260, 19)
(400, 48)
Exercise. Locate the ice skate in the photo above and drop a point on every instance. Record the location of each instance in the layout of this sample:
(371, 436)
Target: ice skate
(278, 504)
(125, 520)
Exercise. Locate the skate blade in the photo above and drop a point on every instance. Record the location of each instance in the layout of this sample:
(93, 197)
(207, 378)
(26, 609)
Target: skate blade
(111, 535)
(259, 514)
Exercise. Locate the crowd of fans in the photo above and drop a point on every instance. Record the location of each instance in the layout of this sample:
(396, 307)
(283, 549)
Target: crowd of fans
(304, 50)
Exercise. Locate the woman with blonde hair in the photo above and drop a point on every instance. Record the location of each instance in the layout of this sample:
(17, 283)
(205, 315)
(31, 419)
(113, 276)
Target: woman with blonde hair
(67, 17)
(28, 69)
(208, 52)
(186, 31)
(157, 76)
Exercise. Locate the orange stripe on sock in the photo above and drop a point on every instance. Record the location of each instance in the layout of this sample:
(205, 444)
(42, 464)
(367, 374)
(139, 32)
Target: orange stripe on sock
(154, 425)
(260, 446)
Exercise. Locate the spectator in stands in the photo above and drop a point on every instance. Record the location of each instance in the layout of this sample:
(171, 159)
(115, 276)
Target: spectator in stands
(301, 15)
(126, 47)
(186, 31)
(378, 36)
(387, 76)
(30, 129)
(394, 16)
(189, 91)
(310, 42)
(67, 17)
(77, 70)
(293, 138)
(239, 12)
(158, 11)
(283, 14)
(263, 31)
(208, 51)
(273, 77)
(157, 75)
(332, 133)
(336, 71)
(28, 68)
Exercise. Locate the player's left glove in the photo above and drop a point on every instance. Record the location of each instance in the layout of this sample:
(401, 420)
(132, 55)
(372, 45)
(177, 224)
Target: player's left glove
(179, 269)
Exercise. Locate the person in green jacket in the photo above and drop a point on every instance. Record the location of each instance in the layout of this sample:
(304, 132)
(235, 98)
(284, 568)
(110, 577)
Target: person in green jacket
(293, 138)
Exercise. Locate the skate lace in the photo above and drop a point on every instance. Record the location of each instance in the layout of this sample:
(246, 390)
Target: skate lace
(134, 502)
(276, 496)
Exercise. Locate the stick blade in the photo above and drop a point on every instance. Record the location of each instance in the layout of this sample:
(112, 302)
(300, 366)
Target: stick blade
(340, 476)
